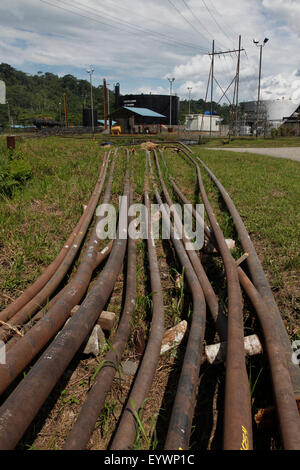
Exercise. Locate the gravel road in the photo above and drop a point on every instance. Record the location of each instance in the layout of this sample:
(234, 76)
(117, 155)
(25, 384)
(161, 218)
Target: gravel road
(292, 153)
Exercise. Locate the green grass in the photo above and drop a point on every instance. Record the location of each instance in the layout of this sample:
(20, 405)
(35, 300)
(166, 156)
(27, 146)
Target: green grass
(251, 142)
(42, 212)
(40, 215)
(266, 192)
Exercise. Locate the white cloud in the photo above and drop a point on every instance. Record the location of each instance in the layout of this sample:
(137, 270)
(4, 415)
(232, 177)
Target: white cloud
(141, 43)
(287, 11)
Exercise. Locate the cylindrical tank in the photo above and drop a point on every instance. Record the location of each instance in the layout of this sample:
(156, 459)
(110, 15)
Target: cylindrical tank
(158, 103)
(87, 117)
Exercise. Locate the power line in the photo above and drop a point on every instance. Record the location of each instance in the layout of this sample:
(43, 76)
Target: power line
(124, 22)
(197, 18)
(162, 37)
(228, 28)
(217, 23)
(137, 13)
(185, 19)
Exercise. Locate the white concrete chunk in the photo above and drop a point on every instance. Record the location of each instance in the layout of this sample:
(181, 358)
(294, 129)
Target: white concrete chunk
(94, 342)
(173, 337)
(216, 353)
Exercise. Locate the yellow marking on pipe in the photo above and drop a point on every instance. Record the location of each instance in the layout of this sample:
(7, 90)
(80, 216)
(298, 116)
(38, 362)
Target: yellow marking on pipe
(245, 440)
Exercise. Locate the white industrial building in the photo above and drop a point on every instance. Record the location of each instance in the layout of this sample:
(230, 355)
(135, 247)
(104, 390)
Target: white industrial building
(274, 112)
(202, 122)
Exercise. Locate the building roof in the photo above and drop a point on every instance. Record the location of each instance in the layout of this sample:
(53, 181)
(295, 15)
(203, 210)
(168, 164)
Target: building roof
(143, 112)
(101, 121)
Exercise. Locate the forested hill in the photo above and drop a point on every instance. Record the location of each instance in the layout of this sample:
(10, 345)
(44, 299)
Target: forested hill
(34, 96)
(42, 95)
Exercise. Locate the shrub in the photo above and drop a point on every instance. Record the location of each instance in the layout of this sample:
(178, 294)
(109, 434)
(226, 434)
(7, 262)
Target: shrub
(14, 171)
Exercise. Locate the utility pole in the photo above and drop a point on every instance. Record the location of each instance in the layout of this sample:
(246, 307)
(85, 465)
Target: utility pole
(107, 85)
(8, 110)
(235, 81)
(90, 71)
(171, 80)
(212, 85)
(189, 89)
(104, 102)
(66, 110)
(237, 88)
(59, 104)
(259, 77)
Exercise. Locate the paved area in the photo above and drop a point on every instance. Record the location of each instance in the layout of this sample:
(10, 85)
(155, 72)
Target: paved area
(292, 153)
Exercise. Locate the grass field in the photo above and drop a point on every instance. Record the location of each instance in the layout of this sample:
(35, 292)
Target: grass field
(41, 213)
(249, 142)
(266, 192)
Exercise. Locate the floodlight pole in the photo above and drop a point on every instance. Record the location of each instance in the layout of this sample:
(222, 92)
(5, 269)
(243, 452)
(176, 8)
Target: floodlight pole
(90, 71)
(171, 80)
(259, 78)
(107, 85)
(8, 111)
(189, 89)
(212, 86)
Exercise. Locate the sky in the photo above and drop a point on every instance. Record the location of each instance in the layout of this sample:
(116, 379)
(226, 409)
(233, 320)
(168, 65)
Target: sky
(140, 44)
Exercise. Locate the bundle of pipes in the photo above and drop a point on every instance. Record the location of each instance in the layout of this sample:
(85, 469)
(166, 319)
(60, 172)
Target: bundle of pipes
(22, 405)
(183, 408)
(36, 295)
(85, 423)
(285, 376)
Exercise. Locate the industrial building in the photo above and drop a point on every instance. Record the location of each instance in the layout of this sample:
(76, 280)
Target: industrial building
(203, 122)
(270, 115)
(134, 120)
(87, 120)
(161, 104)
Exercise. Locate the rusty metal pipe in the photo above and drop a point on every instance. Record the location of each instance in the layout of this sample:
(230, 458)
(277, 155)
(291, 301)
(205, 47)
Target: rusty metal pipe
(34, 288)
(20, 408)
(37, 302)
(259, 280)
(91, 409)
(196, 215)
(101, 256)
(22, 353)
(210, 296)
(286, 405)
(184, 404)
(237, 414)
(287, 410)
(126, 431)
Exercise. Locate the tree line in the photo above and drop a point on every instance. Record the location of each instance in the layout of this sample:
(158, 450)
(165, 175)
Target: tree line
(30, 97)
(41, 95)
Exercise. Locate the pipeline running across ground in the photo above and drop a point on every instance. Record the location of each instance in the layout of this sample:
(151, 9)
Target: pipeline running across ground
(159, 285)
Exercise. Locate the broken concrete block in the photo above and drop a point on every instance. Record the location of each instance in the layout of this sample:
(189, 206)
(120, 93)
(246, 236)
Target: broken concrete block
(216, 353)
(129, 367)
(209, 247)
(173, 337)
(107, 320)
(95, 341)
(230, 243)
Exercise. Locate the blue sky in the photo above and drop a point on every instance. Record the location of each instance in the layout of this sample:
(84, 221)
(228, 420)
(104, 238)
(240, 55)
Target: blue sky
(140, 44)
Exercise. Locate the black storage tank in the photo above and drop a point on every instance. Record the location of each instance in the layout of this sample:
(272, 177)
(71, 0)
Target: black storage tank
(157, 103)
(87, 117)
